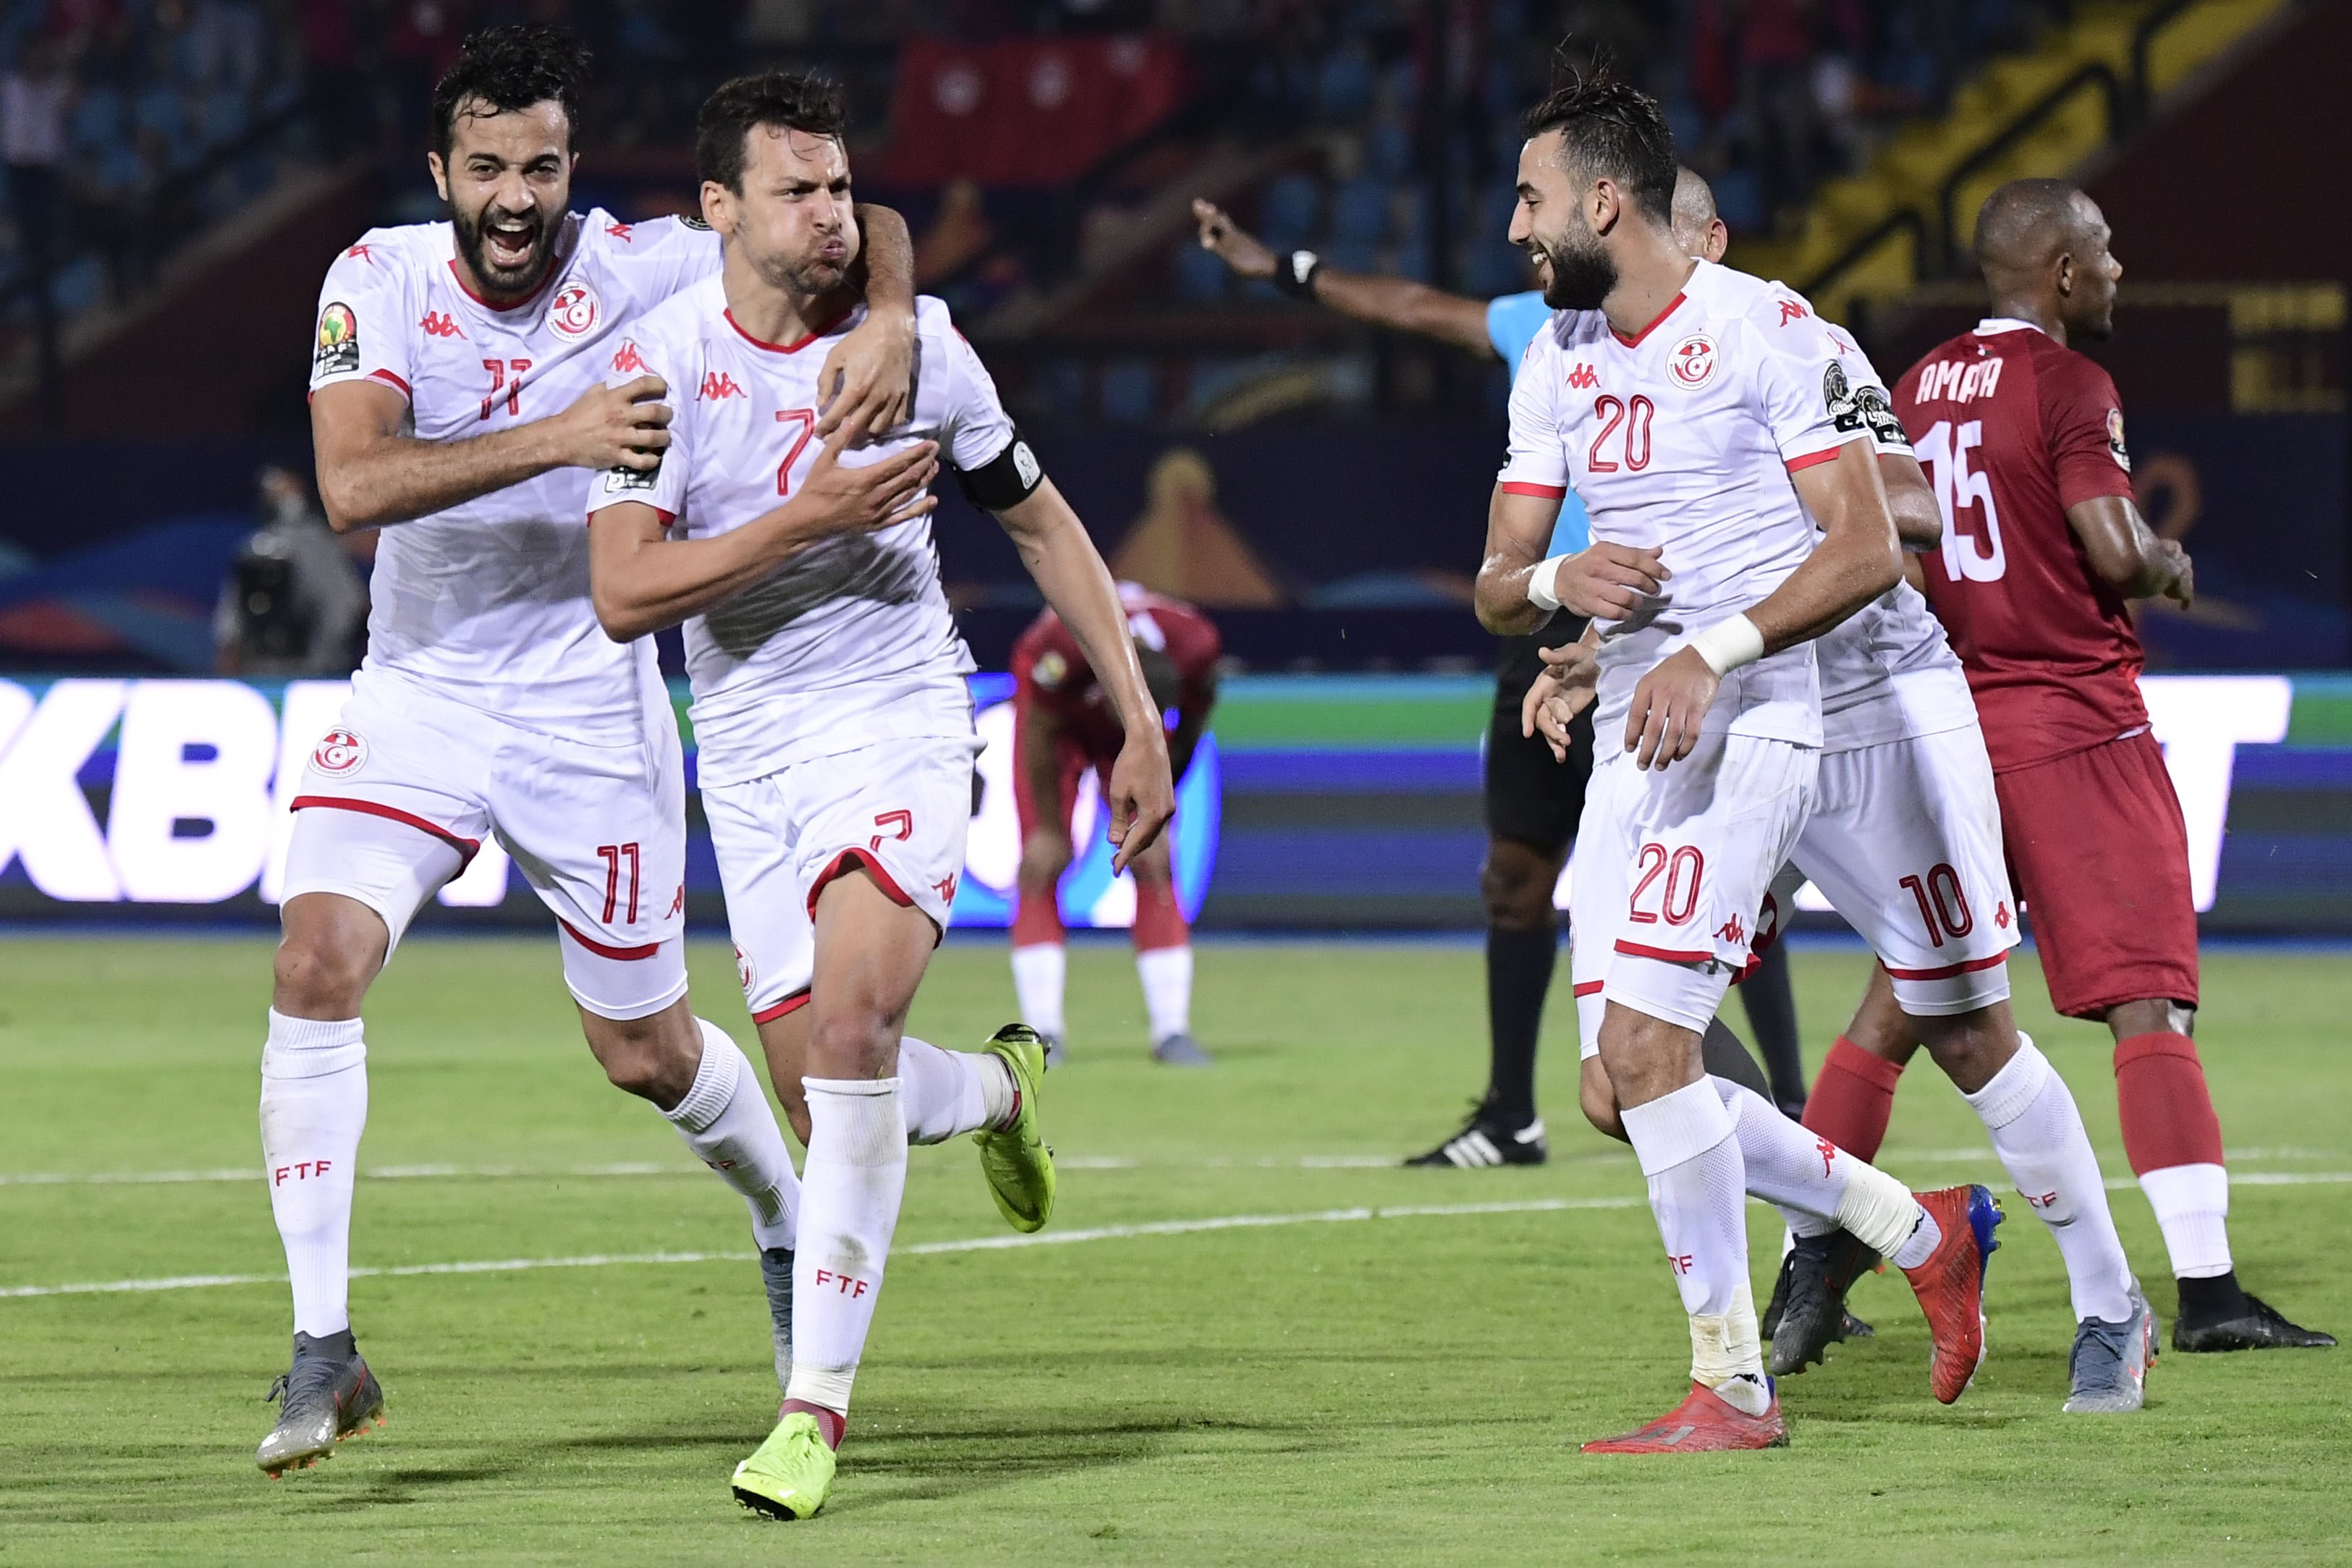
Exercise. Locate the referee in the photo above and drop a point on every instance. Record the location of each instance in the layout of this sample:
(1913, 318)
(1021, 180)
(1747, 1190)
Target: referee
(1532, 802)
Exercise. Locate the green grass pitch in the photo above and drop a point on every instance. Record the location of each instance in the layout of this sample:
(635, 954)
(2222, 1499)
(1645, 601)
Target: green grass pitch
(1402, 1388)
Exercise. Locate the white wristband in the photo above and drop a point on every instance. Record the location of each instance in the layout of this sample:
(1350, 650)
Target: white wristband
(1727, 644)
(1542, 580)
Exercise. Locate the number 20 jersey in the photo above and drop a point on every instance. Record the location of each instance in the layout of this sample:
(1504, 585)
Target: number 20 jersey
(487, 602)
(1682, 438)
(850, 643)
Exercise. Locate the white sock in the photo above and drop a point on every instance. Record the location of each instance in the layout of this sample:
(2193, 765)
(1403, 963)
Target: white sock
(728, 1122)
(1797, 1171)
(1690, 1152)
(313, 1105)
(1039, 971)
(851, 1186)
(944, 1092)
(2038, 1132)
(2192, 1207)
(1167, 976)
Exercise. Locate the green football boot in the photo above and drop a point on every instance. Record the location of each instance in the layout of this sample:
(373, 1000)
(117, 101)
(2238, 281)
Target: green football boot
(1016, 1162)
(787, 1477)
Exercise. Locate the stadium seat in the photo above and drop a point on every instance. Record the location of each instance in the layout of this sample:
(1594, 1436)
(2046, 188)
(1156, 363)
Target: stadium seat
(1360, 211)
(1286, 212)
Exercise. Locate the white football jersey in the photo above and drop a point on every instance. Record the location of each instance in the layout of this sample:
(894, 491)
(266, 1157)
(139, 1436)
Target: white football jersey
(1887, 673)
(850, 642)
(488, 602)
(1682, 439)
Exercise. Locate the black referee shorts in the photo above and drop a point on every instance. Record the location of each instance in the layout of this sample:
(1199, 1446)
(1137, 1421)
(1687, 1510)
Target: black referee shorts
(1529, 796)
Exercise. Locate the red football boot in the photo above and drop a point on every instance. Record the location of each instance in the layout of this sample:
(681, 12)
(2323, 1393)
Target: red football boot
(1702, 1424)
(1950, 1284)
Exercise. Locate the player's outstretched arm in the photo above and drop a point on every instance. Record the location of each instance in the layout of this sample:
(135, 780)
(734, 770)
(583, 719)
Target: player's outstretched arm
(870, 374)
(370, 475)
(1856, 560)
(1518, 589)
(1070, 571)
(1393, 302)
(2130, 557)
(641, 579)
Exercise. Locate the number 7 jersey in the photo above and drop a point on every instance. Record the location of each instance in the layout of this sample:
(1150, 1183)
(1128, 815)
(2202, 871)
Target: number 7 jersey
(850, 642)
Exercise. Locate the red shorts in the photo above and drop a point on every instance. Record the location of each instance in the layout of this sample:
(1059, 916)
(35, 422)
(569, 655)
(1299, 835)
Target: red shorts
(2098, 854)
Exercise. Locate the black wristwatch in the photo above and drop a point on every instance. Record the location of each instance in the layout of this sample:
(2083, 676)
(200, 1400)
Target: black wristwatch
(1294, 274)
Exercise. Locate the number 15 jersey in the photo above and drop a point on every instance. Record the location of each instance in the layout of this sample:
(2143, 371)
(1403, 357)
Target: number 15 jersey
(1682, 439)
(850, 642)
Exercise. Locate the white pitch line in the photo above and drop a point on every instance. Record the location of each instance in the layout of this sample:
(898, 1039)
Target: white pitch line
(920, 1249)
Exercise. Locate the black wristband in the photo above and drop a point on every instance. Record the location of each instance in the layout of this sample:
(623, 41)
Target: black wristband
(1294, 274)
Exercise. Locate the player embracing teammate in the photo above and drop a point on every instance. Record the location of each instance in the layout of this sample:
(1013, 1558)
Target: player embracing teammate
(830, 707)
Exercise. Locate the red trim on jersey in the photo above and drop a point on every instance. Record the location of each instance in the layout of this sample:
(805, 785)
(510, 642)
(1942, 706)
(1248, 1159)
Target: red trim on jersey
(1948, 970)
(1812, 458)
(1540, 492)
(1636, 341)
(382, 374)
(841, 863)
(1589, 988)
(784, 1008)
(455, 272)
(786, 348)
(666, 518)
(605, 950)
(1664, 954)
(468, 848)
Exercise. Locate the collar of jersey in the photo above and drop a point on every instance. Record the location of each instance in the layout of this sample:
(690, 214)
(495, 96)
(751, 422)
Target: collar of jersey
(824, 330)
(1637, 339)
(1993, 326)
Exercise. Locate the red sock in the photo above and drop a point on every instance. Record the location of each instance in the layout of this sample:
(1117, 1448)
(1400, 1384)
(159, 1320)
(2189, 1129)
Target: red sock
(830, 1423)
(1158, 921)
(1853, 1099)
(2166, 1111)
(1036, 920)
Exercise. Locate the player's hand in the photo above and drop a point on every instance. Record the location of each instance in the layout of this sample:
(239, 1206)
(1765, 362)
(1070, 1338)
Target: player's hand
(1669, 706)
(833, 499)
(871, 374)
(1230, 243)
(1045, 856)
(2182, 590)
(1606, 581)
(1565, 689)
(1142, 795)
(625, 426)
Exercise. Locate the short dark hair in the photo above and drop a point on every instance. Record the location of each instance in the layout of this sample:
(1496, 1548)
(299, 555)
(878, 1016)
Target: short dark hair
(798, 100)
(511, 68)
(1608, 127)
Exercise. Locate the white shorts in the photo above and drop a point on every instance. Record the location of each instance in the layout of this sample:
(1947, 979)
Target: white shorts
(1670, 869)
(897, 810)
(398, 797)
(1905, 841)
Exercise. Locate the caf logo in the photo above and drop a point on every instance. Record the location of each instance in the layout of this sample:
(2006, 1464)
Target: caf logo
(573, 312)
(339, 340)
(339, 753)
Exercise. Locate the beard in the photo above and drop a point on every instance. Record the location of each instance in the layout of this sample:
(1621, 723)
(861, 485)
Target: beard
(505, 276)
(804, 278)
(1581, 273)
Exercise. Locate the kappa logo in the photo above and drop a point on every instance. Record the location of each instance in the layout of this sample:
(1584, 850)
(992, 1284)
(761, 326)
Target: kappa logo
(364, 253)
(338, 754)
(1828, 1151)
(628, 359)
(677, 903)
(717, 384)
(1732, 931)
(1584, 378)
(1692, 362)
(620, 231)
(946, 888)
(573, 312)
(2001, 915)
(437, 325)
(1792, 311)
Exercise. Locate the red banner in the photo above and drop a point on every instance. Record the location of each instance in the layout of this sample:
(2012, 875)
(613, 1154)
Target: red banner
(1028, 112)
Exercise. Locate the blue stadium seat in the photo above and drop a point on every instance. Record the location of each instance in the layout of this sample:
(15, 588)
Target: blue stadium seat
(1343, 88)
(1359, 210)
(1130, 392)
(1286, 212)
(1387, 149)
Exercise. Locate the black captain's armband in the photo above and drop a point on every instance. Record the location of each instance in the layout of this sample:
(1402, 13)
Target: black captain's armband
(1005, 480)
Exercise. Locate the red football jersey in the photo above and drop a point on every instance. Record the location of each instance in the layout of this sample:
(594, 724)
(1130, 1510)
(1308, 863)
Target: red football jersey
(2012, 430)
(1051, 669)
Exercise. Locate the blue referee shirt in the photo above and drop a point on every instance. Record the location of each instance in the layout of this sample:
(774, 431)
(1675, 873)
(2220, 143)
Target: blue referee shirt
(1512, 322)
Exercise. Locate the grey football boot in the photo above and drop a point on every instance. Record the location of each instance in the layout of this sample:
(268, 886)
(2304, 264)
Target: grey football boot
(327, 1395)
(2109, 1364)
(1181, 1050)
(776, 1272)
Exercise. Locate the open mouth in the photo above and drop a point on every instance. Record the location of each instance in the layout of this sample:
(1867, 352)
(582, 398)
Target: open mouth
(507, 242)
